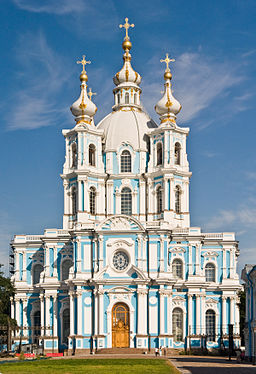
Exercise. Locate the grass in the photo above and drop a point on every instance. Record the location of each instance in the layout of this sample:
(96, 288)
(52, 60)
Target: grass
(89, 366)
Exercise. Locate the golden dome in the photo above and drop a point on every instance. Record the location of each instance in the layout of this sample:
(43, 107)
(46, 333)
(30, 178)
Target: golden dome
(167, 75)
(83, 77)
(127, 45)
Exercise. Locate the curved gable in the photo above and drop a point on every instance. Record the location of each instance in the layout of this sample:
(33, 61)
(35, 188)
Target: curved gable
(120, 223)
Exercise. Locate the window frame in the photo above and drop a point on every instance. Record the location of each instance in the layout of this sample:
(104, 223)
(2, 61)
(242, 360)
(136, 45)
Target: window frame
(175, 325)
(92, 200)
(159, 200)
(177, 150)
(177, 200)
(206, 270)
(125, 201)
(175, 274)
(92, 154)
(125, 161)
(159, 155)
(210, 328)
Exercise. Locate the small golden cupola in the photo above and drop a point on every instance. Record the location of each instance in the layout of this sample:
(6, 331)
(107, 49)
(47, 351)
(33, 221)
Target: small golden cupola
(168, 107)
(83, 108)
(127, 92)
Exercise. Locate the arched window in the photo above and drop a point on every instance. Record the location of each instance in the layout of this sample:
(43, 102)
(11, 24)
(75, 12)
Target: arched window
(74, 155)
(65, 326)
(177, 268)
(126, 99)
(37, 270)
(126, 201)
(92, 200)
(92, 152)
(159, 151)
(66, 265)
(73, 197)
(177, 324)
(126, 162)
(36, 330)
(177, 154)
(177, 199)
(159, 200)
(135, 98)
(210, 318)
(210, 272)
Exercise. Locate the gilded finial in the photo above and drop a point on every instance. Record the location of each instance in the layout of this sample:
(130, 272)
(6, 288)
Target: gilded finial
(126, 25)
(167, 60)
(83, 76)
(90, 93)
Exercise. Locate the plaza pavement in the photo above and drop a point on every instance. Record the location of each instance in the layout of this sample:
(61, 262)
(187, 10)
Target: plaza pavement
(210, 365)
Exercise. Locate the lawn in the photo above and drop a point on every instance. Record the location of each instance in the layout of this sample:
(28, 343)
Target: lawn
(89, 366)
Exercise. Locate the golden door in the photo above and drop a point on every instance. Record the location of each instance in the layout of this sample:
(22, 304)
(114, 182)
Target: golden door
(120, 326)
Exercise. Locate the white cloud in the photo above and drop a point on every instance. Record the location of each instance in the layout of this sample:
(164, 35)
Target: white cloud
(39, 100)
(241, 217)
(198, 82)
(59, 7)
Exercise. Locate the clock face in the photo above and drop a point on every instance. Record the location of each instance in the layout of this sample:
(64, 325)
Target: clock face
(120, 260)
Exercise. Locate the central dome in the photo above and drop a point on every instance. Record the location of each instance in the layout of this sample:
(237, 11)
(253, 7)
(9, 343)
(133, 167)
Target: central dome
(129, 126)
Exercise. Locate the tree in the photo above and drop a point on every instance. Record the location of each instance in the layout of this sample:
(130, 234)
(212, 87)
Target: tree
(241, 304)
(6, 292)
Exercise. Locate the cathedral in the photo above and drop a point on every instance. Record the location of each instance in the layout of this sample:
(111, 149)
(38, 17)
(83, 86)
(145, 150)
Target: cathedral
(126, 270)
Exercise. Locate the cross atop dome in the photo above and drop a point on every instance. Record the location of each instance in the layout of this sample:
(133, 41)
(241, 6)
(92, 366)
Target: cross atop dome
(167, 60)
(126, 26)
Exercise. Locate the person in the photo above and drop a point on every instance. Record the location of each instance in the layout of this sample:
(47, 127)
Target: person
(156, 352)
(160, 351)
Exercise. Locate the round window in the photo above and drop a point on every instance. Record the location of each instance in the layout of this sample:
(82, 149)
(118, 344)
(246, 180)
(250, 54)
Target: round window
(120, 260)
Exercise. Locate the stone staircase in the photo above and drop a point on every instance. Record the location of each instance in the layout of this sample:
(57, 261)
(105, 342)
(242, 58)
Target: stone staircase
(120, 351)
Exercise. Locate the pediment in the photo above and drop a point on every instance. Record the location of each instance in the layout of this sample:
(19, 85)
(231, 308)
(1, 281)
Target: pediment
(120, 223)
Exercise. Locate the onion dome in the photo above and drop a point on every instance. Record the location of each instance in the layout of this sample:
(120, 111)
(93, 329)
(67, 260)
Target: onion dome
(83, 109)
(168, 107)
(127, 74)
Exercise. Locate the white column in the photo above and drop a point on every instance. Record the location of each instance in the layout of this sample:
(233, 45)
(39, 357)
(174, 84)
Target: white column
(169, 313)
(101, 312)
(79, 256)
(17, 266)
(72, 313)
(79, 312)
(25, 316)
(110, 197)
(55, 255)
(42, 314)
(162, 316)
(47, 315)
(190, 314)
(47, 261)
(24, 267)
(96, 313)
(197, 259)
(190, 263)
(142, 312)
(55, 314)
(165, 194)
(198, 311)
(232, 254)
(142, 198)
(224, 269)
(161, 254)
(150, 200)
(100, 252)
(79, 195)
(203, 314)
(118, 201)
(134, 202)
(237, 318)
(232, 311)
(224, 314)
(144, 254)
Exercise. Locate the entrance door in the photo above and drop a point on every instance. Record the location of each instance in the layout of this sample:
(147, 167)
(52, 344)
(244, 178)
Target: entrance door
(120, 326)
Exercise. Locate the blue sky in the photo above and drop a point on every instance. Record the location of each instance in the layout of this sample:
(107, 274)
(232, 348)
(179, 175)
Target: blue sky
(214, 78)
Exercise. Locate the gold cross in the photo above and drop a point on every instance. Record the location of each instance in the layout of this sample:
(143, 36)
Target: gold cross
(83, 62)
(126, 26)
(167, 60)
(90, 93)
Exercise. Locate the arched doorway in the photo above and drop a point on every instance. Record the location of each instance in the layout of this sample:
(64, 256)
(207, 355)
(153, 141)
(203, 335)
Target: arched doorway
(120, 326)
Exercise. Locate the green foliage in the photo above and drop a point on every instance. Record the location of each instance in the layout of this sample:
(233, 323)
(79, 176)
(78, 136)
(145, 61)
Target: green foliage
(242, 306)
(6, 292)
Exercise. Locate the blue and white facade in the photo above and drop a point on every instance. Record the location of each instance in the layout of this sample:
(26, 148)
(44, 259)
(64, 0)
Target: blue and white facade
(126, 269)
(249, 277)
